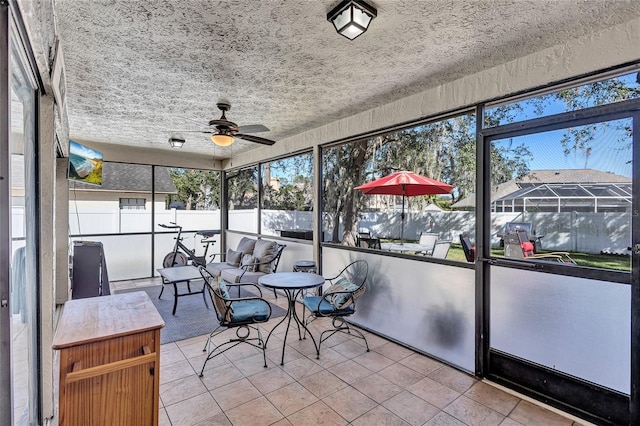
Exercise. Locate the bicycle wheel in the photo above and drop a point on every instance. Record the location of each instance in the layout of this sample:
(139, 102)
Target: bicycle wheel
(174, 259)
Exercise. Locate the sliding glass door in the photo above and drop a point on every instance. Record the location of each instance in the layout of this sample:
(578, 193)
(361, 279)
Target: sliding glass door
(19, 330)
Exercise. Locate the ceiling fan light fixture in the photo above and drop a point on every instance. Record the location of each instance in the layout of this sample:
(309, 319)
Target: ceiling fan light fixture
(176, 142)
(222, 139)
(351, 18)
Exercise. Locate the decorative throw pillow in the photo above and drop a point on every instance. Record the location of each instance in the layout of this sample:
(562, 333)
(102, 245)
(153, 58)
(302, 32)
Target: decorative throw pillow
(265, 251)
(247, 259)
(223, 307)
(234, 257)
(342, 300)
(246, 245)
(222, 284)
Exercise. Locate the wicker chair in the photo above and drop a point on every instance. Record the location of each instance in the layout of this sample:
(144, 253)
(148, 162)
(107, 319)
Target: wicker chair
(338, 301)
(242, 314)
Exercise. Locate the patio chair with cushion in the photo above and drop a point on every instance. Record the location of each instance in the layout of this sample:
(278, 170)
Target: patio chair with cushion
(526, 228)
(244, 314)
(338, 301)
(468, 248)
(232, 258)
(264, 260)
(517, 246)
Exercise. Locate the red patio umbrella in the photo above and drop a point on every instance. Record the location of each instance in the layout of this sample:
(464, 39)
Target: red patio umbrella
(407, 184)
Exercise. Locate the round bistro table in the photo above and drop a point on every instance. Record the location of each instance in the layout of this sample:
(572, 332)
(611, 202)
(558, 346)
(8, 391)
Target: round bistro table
(292, 283)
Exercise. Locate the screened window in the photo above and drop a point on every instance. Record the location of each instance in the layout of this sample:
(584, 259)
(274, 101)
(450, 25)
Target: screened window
(189, 198)
(442, 150)
(117, 206)
(242, 191)
(570, 193)
(287, 197)
(603, 92)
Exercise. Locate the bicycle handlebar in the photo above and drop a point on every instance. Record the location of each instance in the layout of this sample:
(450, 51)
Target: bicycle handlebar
(172, 226)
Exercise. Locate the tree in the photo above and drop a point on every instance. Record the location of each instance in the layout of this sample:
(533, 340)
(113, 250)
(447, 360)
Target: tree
(343, 171)
(578, 141)
(242, 189)
(292, 189)
(287, 197)
(443, 150)
(197, 189)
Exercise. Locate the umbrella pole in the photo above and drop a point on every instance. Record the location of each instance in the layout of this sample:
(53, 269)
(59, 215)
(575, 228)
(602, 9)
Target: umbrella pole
(402, 222)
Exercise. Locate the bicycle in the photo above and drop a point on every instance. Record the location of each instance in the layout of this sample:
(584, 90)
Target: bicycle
(181, 255)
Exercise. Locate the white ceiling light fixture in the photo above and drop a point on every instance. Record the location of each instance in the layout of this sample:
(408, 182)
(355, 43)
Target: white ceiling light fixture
(176, 141)
(352, 17)
(221, 139)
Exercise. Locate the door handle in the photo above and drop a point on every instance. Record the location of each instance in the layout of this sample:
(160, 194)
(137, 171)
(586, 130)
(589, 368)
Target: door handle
(635, 249)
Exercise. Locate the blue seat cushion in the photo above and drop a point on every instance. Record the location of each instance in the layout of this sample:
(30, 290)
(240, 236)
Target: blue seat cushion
(237, 275)
(245, 310)
(215, 268)
(326, 308)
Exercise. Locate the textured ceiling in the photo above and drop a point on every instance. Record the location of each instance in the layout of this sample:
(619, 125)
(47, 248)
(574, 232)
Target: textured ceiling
(139, 70)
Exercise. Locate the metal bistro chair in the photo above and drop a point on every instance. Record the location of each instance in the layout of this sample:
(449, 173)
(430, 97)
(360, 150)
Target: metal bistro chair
(242, 314)
(338, 301)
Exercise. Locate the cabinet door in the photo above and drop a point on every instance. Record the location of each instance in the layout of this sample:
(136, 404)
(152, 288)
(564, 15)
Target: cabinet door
(125, 394)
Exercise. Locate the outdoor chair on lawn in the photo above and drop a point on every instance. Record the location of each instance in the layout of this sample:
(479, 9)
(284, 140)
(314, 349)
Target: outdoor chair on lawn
(517, 246)
(428, 240)
(369, 242)
(441, 249)
(338, 301)
(469, 250)
(242, 314)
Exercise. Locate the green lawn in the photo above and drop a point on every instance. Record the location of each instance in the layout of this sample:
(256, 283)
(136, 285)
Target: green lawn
(602, 261)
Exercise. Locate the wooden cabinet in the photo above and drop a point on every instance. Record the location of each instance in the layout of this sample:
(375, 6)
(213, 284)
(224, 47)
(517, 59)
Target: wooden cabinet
(109, 361)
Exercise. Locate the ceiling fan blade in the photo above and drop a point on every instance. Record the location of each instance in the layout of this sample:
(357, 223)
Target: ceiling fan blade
(192, 131)
(253, 128)
(255, 139)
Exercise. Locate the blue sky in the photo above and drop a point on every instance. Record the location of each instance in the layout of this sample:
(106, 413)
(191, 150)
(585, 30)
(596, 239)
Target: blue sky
(84, 151)
(611, 146)
(611, 150)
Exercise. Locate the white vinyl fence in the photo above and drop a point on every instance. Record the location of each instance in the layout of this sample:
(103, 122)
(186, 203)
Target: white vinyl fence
(580, 232)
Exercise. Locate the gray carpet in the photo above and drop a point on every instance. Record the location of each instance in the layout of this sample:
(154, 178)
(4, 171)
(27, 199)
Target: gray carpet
(192, 317)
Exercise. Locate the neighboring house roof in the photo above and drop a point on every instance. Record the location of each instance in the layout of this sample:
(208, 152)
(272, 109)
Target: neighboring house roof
(536, 177)
(124, 177)
(572, 176)
(431, 207)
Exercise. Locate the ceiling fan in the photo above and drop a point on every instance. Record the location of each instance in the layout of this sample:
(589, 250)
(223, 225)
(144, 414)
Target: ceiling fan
(224, 131)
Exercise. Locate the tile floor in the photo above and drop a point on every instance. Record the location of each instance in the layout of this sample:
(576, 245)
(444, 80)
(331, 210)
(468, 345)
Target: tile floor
(390, 385)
